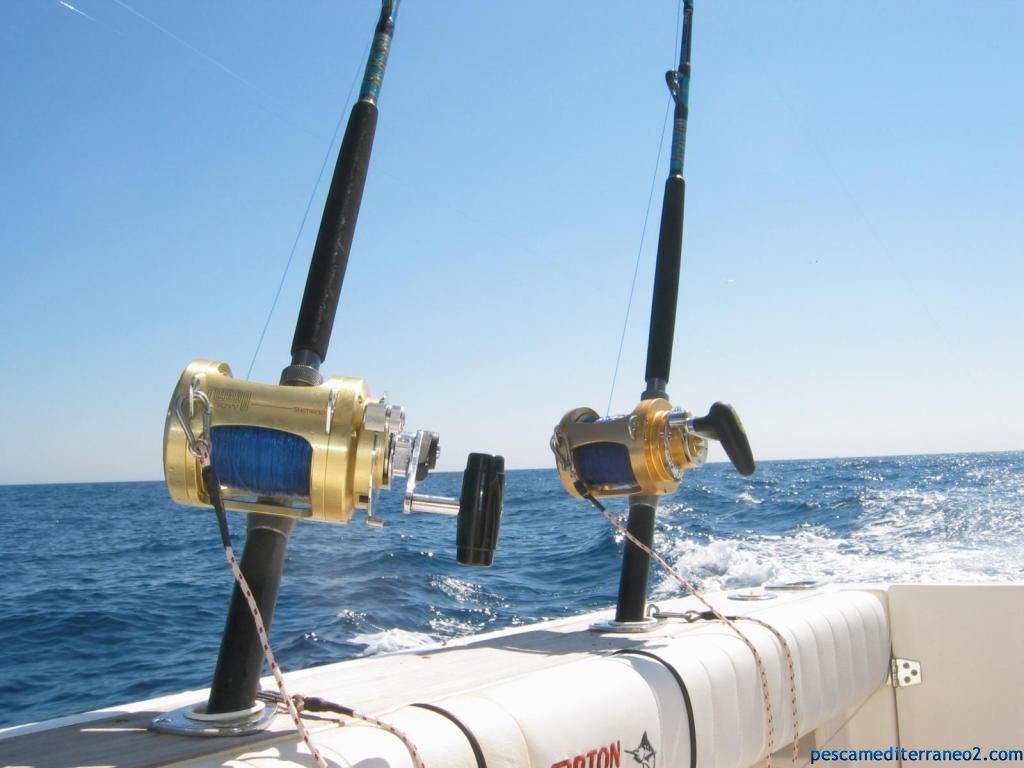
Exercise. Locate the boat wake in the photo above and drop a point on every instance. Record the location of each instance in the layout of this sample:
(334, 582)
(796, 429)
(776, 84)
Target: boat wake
(957, 520)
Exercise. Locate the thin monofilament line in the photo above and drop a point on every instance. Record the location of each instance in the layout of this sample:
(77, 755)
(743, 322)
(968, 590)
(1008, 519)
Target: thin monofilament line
(181, 41)
(82, 13)
(639, 252)
(266, 102)
(305, 214)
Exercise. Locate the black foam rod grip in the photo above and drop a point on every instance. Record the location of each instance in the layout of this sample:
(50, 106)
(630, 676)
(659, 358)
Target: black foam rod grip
(480, 506)
(666, 282)
(337, 228)
(723, 424)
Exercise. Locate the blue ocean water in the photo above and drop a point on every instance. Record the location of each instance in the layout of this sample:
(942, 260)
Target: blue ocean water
(114, 594)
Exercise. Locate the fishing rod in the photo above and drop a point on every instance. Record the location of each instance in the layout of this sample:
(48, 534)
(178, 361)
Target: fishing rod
(341, 212)
(644, 454)
(308, 448)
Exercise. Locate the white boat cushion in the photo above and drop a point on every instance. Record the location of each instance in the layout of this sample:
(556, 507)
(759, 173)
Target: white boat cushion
(840, 645)
(630, 708)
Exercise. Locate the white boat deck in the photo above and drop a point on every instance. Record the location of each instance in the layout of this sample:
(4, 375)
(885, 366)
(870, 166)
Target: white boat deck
(120, 737)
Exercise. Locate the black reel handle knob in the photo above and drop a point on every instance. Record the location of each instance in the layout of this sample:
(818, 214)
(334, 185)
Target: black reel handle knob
(480, 506)
(723, 424)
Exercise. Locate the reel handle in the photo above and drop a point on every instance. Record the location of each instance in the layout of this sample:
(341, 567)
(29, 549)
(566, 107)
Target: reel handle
(480, 507)
(723, 424)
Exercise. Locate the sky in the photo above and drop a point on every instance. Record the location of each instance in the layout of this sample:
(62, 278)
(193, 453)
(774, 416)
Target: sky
(851, 275)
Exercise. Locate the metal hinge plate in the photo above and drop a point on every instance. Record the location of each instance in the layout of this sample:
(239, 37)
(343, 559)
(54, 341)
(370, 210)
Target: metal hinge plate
(904, 673)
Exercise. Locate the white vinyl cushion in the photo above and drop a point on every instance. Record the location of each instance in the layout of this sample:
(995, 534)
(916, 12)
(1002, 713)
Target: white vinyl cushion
(840, 645)
(628, 709)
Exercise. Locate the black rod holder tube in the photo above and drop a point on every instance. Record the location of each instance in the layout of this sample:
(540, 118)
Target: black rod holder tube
(338, 224)
(636, 564)
(236, 679)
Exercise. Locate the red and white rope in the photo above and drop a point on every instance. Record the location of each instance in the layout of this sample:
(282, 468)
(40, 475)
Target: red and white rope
(286, 698)
(261, 630)
(791, 668)
(761, 669)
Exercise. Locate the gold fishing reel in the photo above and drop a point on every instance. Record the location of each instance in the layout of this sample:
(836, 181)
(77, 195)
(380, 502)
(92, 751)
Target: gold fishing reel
(314, 452)
(645, 452)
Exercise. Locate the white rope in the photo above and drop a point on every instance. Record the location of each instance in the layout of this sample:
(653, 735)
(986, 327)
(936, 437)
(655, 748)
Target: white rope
(761, 669)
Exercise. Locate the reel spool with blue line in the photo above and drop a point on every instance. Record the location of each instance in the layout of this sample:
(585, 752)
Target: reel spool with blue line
(318, 453)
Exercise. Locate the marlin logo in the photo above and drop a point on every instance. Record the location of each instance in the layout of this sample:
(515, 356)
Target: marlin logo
(644, 754)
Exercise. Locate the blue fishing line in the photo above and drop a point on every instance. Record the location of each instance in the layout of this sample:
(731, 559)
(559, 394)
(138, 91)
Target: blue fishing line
(261, 461)
(604, 464)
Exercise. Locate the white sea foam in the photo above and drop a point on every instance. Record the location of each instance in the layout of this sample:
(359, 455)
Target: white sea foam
(896, 548)
(450, 626)
(389, 640)
(461, 590)
(721, 564)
